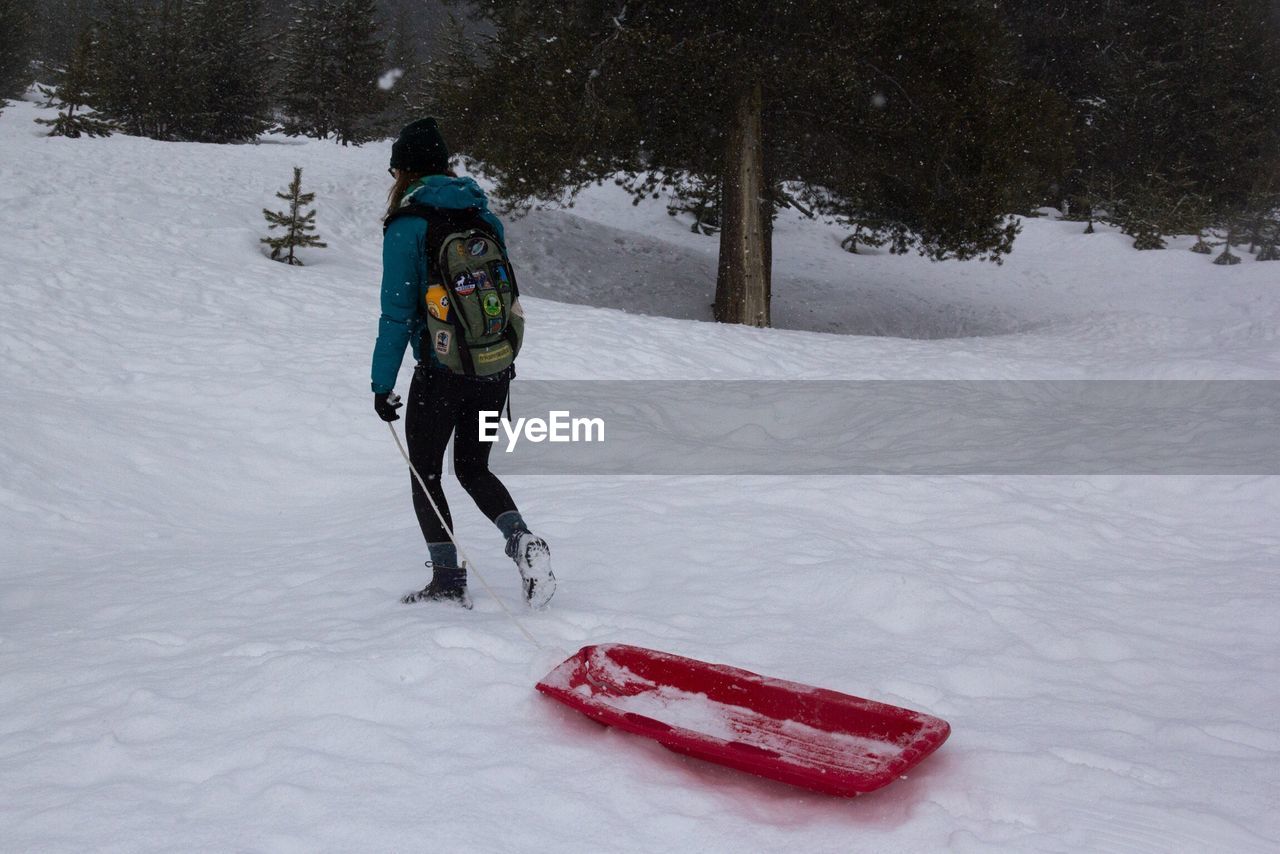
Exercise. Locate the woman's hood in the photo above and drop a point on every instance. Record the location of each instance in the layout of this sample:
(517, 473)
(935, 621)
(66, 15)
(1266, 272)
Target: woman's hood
(442, 191)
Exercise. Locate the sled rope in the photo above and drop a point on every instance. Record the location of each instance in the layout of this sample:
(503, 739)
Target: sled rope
(461, 552)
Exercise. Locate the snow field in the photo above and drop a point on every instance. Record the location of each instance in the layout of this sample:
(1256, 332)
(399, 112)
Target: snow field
(204, 531)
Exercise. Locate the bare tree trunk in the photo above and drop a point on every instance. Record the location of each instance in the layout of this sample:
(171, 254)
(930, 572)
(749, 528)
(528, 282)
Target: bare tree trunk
(742, 284)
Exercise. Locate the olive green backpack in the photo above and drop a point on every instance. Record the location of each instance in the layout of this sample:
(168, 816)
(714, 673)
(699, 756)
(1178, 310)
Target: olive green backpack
(474, 323)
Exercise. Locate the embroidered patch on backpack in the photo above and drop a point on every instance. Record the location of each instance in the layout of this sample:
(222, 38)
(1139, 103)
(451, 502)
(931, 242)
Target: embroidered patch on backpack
(438, 302)
(443, 339)
(464, 285)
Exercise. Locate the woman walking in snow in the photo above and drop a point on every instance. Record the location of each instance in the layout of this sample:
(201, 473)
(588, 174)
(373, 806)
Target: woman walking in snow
(460, 372)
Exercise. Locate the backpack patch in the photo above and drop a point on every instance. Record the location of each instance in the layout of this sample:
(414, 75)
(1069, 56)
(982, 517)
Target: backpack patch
(438, 302)
(464, 285)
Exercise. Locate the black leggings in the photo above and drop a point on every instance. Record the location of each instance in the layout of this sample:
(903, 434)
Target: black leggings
(438, 403)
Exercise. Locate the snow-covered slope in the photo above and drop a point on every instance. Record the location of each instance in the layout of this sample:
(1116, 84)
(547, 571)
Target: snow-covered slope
(204, 530)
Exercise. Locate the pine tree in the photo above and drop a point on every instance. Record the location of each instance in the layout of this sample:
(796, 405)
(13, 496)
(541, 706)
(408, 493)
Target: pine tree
(1269, 247)
(230, 73)
(307, 71)
(298, 225)
(332, 61)
(408, 97)
(1227, 258)
(1061, 46)
(57, 28)
(183, 69)
(1192, 94)
(16, 20)
(1262, 211)
(1266, 220)
(403, 49)
(1174, 104)
(359, 99)
(71, 97)
(127, 85)
(907, 118)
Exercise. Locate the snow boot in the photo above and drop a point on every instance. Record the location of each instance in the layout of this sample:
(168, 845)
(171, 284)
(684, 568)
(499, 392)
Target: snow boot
(448, 584)
(533, 558)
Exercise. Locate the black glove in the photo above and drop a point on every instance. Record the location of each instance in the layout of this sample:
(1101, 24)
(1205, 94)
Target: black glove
(386, 405)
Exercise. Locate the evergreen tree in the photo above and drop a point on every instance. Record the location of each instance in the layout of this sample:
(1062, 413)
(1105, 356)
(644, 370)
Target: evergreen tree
(71, 97)
(333, 59)
(174, 93)
(183, 69)
(403, 49)
(56, 28)
(308, 71)
(127, 88)
(408, 97)
(1066, 46)
(230, 75)
(1174, 104)
(1227, 258)
(1261, 214)
(298, 225)
(906, 118)
(16, 19)
(1269, 244)
(361, 53)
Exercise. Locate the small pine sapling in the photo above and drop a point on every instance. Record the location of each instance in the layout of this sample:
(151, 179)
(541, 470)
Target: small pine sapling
(1227, 259)
(1136, 221)
(868, 230)
(71, 96)
(1264, 225)
(1269, 240)
(697, 195)
(298, 225)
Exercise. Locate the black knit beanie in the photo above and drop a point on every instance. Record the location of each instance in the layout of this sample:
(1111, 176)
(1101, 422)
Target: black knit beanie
(421, 148)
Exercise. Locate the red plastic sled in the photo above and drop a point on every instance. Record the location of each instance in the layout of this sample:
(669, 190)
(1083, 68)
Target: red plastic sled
(797, 734)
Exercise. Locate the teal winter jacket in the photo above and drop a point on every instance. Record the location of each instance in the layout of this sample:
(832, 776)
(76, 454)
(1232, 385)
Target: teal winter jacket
(404, 272)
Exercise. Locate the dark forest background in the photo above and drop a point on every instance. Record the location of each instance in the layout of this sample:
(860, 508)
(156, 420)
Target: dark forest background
(921, 126)
(58, 21)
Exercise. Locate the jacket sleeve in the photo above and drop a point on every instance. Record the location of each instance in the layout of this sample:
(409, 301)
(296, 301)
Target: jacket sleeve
(403, 273)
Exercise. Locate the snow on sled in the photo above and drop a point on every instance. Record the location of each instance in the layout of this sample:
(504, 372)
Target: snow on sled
(809, 737)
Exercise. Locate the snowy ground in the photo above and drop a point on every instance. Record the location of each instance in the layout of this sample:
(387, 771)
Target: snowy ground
(204, 530)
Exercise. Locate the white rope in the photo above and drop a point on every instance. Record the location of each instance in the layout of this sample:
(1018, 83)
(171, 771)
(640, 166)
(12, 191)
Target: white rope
(462, 553)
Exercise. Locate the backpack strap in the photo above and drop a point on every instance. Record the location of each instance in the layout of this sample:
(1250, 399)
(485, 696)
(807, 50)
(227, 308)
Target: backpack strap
(445, 221)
